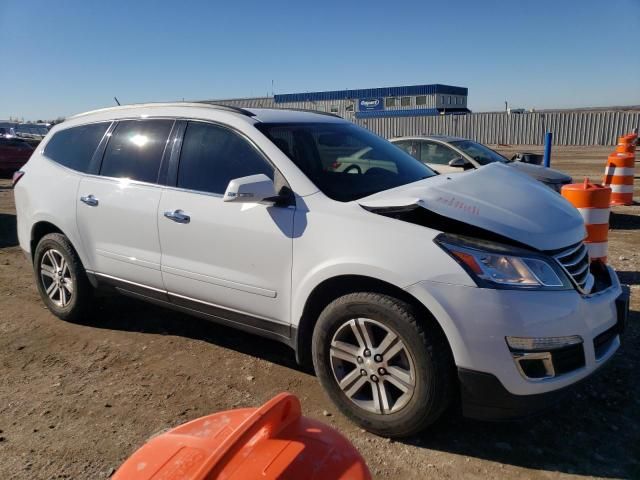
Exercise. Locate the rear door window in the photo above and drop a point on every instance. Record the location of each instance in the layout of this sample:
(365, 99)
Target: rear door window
(74, 147)
(135, 150)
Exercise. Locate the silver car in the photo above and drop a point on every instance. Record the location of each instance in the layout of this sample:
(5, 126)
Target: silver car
(446, 154)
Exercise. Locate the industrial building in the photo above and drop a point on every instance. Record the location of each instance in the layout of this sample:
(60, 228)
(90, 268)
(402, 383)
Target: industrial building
(442, 110)
(383, 102)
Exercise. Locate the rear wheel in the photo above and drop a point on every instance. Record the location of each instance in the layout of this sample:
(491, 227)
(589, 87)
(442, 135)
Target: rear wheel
(381, 367)
(60, 277)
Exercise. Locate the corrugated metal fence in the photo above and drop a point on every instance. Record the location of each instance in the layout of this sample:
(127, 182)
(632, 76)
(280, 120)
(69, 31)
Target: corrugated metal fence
(569, 128)
(594, 127)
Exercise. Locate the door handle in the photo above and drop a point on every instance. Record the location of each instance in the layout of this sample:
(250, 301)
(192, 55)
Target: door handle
(90, 200)
(177, 216)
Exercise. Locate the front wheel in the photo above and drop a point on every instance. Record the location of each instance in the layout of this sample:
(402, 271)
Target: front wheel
(61, 278)
(382, 367)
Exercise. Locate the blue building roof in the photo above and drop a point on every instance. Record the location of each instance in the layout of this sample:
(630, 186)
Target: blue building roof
(371, 93)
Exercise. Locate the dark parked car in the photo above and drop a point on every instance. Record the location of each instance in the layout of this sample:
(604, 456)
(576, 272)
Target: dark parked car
(453, 154)
(14, 153)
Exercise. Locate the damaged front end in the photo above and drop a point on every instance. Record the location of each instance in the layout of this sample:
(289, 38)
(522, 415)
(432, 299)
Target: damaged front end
(504, 229)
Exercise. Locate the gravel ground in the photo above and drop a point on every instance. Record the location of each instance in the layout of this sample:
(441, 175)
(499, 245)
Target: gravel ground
(76, 399)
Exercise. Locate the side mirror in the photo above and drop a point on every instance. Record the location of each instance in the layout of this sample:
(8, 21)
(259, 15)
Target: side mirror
(459, 163)
(252, 189)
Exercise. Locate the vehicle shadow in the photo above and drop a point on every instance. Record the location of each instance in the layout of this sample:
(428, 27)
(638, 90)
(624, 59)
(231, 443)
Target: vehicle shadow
(624, 221)
(596, 431)
(117, 312)
(8, 231)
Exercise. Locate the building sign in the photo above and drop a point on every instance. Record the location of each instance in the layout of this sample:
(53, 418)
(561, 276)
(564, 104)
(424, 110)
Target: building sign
(365, 104)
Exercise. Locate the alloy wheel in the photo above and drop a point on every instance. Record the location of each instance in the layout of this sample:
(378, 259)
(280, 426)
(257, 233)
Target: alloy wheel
(56, 277)
(372, 365)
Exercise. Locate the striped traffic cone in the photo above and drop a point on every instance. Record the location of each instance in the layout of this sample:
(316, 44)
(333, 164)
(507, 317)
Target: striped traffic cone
(619, 171)
(592, 201)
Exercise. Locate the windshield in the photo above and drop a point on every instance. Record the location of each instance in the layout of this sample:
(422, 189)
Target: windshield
(480, 153)
(344, 161)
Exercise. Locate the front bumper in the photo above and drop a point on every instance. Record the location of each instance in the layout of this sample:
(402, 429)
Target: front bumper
(477, 320)
(483, 397)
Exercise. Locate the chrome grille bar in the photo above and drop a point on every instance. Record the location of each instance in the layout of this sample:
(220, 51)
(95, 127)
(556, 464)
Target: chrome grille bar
(575, 262)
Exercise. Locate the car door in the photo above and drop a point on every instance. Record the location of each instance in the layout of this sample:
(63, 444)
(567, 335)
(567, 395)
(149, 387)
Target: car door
(230, 260)
(437, 156)
(117, 209)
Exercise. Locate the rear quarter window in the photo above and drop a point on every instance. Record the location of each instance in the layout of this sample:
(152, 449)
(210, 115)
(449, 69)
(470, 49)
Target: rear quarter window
(74, 147)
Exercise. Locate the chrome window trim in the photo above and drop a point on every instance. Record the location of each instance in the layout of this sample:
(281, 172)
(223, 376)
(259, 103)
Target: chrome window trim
(121, 179)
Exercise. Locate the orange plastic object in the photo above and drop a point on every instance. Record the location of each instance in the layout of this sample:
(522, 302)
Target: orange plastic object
(627, 143)
(271, 442)
(592, 201)
(619, 171)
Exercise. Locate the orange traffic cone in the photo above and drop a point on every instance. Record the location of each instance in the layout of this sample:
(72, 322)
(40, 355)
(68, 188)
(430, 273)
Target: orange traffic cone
(619, 171)
(592, 201)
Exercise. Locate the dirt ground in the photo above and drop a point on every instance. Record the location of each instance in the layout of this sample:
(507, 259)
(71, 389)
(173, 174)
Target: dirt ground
(76, 399)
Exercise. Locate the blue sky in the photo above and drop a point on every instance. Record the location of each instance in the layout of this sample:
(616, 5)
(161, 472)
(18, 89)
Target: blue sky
(63, 57)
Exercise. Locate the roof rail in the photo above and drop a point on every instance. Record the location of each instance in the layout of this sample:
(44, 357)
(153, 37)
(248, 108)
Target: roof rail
(201, 104)
(222, 106)
(319, 112)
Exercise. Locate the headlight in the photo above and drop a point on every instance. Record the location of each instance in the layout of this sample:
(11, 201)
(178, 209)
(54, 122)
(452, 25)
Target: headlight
(495, 265)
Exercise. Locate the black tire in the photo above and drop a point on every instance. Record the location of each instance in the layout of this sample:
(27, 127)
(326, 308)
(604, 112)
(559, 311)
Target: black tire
(424, 341)
(80, 298)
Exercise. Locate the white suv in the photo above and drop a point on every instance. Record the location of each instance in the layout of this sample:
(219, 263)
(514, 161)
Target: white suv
(406, 290)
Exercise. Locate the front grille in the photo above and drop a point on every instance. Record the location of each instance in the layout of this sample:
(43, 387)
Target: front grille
(603, 341)
(575, 261)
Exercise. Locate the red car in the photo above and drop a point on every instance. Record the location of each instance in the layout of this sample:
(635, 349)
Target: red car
(14, 153)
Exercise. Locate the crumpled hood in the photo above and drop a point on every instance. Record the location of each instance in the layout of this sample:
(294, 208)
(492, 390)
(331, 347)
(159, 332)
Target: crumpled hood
(541, 173)
(496, 198)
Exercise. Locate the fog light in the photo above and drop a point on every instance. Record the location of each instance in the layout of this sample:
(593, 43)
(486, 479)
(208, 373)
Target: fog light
(541, 344)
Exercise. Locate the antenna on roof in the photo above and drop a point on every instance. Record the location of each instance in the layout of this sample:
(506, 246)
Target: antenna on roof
(116, 99)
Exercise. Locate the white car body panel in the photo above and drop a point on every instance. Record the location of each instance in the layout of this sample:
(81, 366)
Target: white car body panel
(120, 234)
(233, 254)
(332, 239)
(55, 202)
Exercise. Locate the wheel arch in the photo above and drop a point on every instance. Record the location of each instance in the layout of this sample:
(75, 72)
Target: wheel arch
(39, 230)
(44, 227)
(334, 287)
